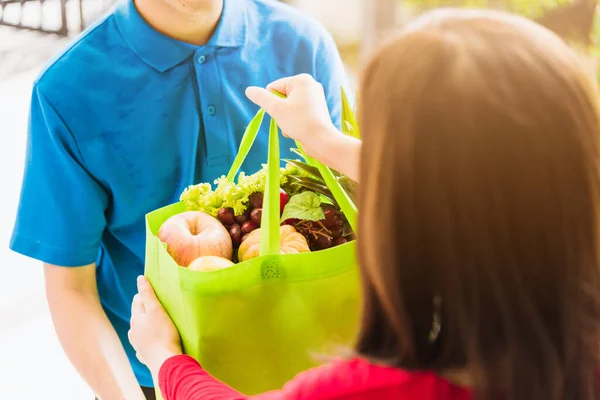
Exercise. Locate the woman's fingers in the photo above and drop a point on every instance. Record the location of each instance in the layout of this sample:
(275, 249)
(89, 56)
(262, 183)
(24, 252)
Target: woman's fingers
(139, 357)
(147, 295)
(263, 98)
(287, 85)
(268, 101)
(137, 305)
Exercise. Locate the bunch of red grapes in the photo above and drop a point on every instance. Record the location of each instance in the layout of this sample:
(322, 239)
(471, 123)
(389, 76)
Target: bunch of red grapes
(329, 232)
(240, 226)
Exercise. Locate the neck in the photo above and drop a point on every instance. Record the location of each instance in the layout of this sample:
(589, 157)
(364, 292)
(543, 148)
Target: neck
(190, 21)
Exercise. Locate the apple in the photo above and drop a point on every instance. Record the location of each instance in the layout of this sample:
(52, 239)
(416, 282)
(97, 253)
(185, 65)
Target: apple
(193, 234)
(210, 263)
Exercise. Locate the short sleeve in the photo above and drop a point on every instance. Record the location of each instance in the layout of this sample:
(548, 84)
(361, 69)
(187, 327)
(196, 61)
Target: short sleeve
(61, 213)
(331, 73)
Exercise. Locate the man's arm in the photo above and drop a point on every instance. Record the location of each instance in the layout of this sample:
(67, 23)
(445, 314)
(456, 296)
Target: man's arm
(64, 227)
(86, 334)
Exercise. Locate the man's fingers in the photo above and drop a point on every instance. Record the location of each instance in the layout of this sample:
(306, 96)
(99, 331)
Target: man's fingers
(145, 291)
(263, 98)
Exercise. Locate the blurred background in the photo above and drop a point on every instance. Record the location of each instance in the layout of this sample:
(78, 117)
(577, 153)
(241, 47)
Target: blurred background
(32, 363)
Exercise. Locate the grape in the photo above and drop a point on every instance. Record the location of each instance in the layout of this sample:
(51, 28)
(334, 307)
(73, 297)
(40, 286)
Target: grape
(306, 234)
(339, 221)
(226, 216)
(336, 231)
(291, 221)
(242, 218)
(255, 216)
(283, 200)
(248, 226)
(236, 234)
(338, 241)
(330, 218)
(256, 200)
(327, 206)
(322, 242)
(244, 237)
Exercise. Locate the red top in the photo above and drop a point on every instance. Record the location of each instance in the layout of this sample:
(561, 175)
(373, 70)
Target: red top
(182, 378)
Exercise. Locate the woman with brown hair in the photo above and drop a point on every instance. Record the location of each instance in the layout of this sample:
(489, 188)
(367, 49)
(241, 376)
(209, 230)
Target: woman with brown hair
(478, 221)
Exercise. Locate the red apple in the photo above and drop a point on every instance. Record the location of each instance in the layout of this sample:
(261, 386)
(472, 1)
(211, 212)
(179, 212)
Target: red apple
(194, 234)
(210, 263)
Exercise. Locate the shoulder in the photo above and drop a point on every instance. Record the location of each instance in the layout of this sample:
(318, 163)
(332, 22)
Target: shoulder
(284, 22)
(359, 379)
(83, 61)
(348, 379)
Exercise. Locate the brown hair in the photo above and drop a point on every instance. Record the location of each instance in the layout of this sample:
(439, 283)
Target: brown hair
(479, 187)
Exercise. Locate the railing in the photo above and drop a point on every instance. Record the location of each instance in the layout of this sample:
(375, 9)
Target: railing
(60, 17)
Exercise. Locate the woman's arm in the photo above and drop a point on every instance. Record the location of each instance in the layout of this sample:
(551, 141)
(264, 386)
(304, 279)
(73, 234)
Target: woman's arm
(182, 378)
(340, 152)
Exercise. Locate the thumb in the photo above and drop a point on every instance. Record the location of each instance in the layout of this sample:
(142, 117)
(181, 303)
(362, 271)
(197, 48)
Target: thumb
(263, 98)
(147, 294)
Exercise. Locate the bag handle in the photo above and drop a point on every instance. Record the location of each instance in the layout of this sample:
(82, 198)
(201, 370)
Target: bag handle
(269, 235)
(246, 144)
(270, 222)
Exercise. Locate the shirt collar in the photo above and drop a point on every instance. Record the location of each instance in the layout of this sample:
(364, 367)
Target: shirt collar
(162, 52)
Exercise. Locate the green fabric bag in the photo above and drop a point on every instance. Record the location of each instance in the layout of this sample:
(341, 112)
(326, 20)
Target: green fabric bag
(257, 324)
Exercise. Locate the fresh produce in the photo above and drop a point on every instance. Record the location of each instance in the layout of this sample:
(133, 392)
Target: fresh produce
(284, 198)
(235, 231)
(248, 226)
(290, 242)
(210, 263)
(226, 216)
(310, 218)
(240, 197)
(307, 207)
(322, 224)
(311, 180)
(256, 216)
(193, 234)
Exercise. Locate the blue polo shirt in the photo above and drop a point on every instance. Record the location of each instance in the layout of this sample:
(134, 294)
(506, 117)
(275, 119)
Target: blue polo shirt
(126, 118)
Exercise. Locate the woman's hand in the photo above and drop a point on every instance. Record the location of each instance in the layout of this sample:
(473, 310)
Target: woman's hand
(152, 332)
(303, 115)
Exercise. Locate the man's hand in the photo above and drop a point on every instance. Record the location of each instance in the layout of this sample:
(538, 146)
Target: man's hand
(86, 334)
(152, 332)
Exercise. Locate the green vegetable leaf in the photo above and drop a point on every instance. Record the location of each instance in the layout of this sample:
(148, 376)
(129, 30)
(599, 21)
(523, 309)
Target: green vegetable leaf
(305, 168)
(303, 206)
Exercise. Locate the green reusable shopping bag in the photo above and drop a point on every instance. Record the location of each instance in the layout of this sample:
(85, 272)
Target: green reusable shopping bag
(257, 324)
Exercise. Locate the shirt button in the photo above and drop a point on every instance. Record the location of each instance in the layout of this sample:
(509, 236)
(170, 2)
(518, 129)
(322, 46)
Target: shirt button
(201, 59)
(211, 110)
